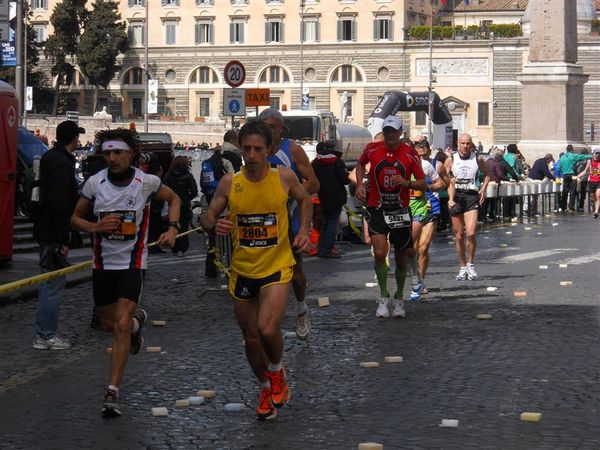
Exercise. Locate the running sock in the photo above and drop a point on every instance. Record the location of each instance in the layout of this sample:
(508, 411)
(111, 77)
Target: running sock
(400, 278)
(275, 367)
(381, 270)
(301, 308)
(113, 388)
(135, 326)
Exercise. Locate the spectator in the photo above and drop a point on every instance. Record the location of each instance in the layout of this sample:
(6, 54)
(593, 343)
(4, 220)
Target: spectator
(566, 166)
(333, 178)
(541, 168)
(497, 174)
(183, 183)
(479, 147)
(52, 229)
(40, 136)
(582, 171)
(231, 151)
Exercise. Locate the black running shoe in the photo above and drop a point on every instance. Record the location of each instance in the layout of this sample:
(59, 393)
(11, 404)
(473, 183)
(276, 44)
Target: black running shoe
(137, 339)
(110, 408)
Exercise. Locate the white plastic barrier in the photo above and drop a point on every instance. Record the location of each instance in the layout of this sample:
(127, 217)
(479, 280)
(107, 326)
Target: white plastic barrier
(492, 190)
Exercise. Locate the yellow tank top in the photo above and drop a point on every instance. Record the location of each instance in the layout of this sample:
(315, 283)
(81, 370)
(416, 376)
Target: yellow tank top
(258, 210)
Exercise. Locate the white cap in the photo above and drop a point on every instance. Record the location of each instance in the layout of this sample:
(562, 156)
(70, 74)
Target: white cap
(392, 121)
(595, 150)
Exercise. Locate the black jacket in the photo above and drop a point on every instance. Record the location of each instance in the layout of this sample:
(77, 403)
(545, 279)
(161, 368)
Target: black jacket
(183, 184)
(58, 196)
(333, 176)
(540, 170)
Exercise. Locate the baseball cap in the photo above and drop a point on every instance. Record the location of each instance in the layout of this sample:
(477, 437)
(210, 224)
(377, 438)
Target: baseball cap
(67, 130)
(270, 112)
(392, 121)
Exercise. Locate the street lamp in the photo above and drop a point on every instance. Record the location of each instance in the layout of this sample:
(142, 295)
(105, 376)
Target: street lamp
(431, 81)
(302, 32)
(146, 78)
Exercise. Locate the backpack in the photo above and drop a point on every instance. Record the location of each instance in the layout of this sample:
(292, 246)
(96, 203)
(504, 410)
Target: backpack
(579, 166)
(211, 173)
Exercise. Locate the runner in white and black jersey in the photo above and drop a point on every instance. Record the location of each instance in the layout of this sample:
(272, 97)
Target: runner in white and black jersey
(121, 197)
(465, 194)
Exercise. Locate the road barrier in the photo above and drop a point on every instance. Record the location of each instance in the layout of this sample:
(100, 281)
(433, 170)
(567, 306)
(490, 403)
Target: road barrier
(20, 284)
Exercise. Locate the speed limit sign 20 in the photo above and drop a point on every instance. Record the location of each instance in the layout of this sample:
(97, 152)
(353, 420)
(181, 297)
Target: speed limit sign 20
(235, 73)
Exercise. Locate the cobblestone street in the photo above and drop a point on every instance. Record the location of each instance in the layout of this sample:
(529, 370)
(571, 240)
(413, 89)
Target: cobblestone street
(538, 353)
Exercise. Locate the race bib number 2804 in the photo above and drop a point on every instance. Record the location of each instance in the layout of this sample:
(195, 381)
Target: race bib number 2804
(257, 230)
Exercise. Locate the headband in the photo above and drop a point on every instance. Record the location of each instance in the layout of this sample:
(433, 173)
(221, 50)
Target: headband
(115, 145)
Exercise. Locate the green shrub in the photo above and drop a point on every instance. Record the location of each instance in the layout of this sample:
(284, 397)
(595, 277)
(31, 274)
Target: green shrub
(595, 25)
(506, 30)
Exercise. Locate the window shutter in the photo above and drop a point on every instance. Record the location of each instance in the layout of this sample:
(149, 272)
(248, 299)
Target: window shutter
(303, 31)
(281, 32)
(197, 33)
(131, 3)
(339, 29)
(375, 27)
(231, 32)
(317, 31)
(242, 32)
(353, 27)
(163, 2)
(211, 33)
(391, 22)
(267, 32)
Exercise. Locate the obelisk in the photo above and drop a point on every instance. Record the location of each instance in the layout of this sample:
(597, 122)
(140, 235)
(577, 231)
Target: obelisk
(552, 110)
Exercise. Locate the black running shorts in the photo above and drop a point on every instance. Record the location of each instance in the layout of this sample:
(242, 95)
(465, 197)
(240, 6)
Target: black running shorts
(593, 187)
(400, 238)
(111, 285)
(244, 288)
(464, 202)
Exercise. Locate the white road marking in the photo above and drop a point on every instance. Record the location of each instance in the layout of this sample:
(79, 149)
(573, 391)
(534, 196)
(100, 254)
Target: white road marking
(582, 259)
(535, 255)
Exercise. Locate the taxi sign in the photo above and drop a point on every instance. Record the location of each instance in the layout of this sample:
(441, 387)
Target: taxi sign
(258, 97)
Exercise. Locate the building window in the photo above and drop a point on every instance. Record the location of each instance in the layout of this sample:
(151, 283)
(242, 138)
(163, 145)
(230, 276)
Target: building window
(135, 33)
(346, 28)
(204, 75)
(170, 2)
(239, 2)
(205, 2)
(483, 114)
(204, 32)
(203, 107)
(274, 30)
(382, 29)
(134, 76)
(40, 33)
(237, 28)
(420, 118)
(170, 32)
(311, 30)
(170, 107)
(136, 107)
(275, 102)
(133, 3)
(274, 74)
(346, 74)
(39, 4)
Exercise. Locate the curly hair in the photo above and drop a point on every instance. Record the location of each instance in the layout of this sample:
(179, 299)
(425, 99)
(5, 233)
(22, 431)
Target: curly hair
(130, 137)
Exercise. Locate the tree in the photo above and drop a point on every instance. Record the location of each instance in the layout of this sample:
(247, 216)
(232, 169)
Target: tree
(35, 78)
(103, 39)
(67, 19)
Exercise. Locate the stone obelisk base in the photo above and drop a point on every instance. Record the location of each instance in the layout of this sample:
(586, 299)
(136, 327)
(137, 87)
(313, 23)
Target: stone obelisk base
(552, 108)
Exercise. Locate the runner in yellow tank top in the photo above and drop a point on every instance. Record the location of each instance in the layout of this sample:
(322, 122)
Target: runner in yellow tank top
(262, 260)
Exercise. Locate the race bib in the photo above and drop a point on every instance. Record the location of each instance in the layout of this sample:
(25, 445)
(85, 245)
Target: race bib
(257, 230)
(127, 227)
(397, 219)
(465, 184)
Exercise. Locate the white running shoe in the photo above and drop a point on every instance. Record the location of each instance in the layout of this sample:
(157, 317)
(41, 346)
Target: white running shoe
(382, 309)
(463, 274)
(55, 343)
(471, 273)
(303, 326)
(399, 310)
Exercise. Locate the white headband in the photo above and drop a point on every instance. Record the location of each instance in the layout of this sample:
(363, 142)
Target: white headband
(115, 145)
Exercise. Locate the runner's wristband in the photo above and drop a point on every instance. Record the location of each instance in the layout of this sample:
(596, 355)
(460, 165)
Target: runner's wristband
(175, 225)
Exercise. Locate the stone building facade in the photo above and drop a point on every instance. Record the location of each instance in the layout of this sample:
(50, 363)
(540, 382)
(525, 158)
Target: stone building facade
(357, 47)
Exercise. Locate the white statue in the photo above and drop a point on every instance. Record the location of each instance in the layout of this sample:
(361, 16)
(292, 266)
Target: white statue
(102, 114)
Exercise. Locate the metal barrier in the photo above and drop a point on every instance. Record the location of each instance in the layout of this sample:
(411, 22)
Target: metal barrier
(502, 198)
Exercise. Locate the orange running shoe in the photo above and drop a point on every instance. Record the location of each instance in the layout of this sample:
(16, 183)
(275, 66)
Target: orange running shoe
(280, 391)
(265, 409)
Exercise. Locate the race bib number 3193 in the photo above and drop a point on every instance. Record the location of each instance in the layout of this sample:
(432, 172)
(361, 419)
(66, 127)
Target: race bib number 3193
(257, 230)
